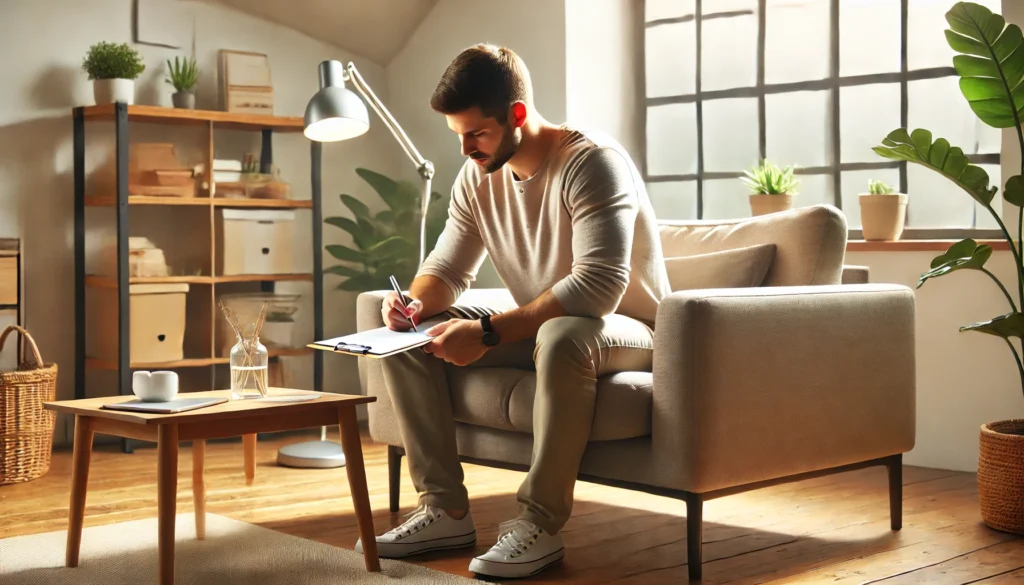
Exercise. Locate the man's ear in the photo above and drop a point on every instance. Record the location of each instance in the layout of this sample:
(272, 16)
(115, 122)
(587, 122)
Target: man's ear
(518, 114)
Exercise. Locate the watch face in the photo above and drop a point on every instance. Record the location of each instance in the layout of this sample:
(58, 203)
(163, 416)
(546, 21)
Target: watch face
(490, 338)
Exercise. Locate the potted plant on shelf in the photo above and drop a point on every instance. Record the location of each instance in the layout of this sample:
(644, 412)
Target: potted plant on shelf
(882, 212)
(989, 63)
(184, 75)
(771, 189)
(113, 69)
(386, 242)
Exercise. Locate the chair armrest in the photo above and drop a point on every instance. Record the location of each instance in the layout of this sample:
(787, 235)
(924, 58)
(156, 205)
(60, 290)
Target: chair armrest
(759, 383)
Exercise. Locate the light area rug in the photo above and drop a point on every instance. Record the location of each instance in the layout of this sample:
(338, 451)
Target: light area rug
(233, 552)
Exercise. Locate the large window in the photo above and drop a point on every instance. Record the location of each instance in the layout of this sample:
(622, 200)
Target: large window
(810, 83)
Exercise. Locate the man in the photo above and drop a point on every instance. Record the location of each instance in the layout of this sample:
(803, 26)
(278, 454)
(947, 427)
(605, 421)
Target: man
(565, 218)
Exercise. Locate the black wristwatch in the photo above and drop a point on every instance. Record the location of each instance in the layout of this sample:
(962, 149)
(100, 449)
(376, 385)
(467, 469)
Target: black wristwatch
(490, 337)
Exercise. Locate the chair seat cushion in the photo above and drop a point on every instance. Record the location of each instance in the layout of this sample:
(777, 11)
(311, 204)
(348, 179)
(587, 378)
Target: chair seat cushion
(502, 398)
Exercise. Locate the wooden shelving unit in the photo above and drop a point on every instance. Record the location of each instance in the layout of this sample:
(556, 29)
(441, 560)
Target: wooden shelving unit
(122, 116)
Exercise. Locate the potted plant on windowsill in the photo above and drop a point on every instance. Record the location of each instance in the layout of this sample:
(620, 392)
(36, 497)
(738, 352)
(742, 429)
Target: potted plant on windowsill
(184, 75)
(113, 69)
(989, 63)
(771, 189)
(882, 212)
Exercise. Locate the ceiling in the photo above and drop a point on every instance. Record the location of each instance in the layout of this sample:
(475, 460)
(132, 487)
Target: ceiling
(375, 29)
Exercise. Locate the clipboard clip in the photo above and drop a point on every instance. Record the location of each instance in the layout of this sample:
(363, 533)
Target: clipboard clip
(353, 347)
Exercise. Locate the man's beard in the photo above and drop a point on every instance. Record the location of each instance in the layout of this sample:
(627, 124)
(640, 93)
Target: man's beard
(510, 142)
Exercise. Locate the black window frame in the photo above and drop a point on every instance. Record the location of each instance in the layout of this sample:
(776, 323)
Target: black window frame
(832, 84)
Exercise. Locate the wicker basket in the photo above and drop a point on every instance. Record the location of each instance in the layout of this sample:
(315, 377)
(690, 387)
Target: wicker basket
(26, 428)
(1001, 475)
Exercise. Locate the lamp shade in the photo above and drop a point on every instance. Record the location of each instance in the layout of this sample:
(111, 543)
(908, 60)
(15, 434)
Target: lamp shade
(335, 112)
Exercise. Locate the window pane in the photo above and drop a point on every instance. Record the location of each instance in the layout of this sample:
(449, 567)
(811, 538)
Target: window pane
(938, 105)
(797, 128)
(720, 6)
(855, 183)
(796, 40)
(726, 199)
(984, 219)
(730, 134)
(672, 139)
(814, 190)
(926, 36)
(658, 9)
(729, 53)
(673, 200)
(869, 37)
(670, 58)
(867, 114)
(935, 201)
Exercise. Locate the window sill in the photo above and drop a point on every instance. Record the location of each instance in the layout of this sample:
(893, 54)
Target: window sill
(915, 245)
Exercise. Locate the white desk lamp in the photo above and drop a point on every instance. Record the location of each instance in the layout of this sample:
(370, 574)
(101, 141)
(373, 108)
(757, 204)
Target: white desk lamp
(336, 113)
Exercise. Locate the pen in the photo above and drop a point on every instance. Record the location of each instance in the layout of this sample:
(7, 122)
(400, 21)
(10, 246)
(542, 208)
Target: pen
(401, 297)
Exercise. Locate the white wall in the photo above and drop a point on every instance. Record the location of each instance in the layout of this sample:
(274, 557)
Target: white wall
(43, 81)
(534, 29)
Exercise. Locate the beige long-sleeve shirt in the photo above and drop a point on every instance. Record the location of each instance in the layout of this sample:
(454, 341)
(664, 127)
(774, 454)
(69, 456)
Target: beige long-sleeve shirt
(582, 226)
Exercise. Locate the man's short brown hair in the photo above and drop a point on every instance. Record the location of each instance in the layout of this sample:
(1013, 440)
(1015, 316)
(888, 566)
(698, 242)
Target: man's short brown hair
(486, 76)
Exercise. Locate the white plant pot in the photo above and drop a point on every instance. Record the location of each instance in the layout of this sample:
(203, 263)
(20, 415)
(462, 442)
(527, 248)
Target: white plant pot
(108, 91)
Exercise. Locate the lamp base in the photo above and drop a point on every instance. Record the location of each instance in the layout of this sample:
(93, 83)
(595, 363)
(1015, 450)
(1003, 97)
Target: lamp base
(312, 455)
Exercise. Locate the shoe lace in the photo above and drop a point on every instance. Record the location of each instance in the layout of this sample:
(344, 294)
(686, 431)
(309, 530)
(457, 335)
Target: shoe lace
(517, 536)
(418, 519)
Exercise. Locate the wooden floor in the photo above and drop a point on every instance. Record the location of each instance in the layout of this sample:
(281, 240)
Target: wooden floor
(826, 530)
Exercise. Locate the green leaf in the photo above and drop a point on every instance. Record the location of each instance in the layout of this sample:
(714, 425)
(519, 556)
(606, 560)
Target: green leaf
(1014, 191)
(387, 216)
(364, 282)
(918, 148)
(965, 254)
(358, 208)
(394, 194)
(392, 245)
(990, 63)
(346, 253)
(1005, 326)
(342, 270)
(360, 235)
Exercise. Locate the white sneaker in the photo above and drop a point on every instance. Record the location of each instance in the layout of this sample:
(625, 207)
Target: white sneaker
(428, 528)
(523, 550)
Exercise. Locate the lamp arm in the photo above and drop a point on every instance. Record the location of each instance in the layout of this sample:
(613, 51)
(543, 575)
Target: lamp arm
(423, 166)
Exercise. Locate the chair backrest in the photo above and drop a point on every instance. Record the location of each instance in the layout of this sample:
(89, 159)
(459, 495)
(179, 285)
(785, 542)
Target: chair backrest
(810, 242)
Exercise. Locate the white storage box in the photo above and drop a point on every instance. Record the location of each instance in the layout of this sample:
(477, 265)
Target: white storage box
(257, 241)
(157, 322)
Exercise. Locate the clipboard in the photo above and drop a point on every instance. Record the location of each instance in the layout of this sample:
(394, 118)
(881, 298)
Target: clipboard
(376, 343)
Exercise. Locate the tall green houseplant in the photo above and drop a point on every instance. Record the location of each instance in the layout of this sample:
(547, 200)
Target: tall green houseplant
(386, 242)
(990, 63)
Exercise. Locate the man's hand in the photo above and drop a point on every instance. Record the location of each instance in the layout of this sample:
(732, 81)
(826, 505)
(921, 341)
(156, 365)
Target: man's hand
(457, 341)
(396, 317)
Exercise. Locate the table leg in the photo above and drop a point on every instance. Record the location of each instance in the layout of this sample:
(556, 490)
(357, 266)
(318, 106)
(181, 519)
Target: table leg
(249, 449)
(199, 486)
(166, 496)
(353, 448)
(79, 484)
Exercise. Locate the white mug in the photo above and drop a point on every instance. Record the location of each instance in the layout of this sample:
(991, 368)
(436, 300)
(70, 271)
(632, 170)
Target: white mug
(159, 386)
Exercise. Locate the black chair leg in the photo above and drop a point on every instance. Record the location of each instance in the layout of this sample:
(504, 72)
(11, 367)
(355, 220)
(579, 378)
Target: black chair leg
(694, 534)
(394, 475)
(895, 467)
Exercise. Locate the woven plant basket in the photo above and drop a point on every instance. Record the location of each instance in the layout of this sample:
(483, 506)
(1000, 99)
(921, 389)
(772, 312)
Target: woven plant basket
(1001, 475)
(26, 428)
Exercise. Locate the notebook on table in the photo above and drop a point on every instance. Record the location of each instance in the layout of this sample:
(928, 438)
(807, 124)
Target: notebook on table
(377, 343)
(168, 407)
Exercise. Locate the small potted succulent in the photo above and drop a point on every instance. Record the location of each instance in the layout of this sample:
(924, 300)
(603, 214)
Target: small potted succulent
(113, 69)
(184, 74)
(771, 189)
(882, 212)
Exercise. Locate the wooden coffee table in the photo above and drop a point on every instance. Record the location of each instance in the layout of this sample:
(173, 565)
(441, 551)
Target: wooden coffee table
(231, 419)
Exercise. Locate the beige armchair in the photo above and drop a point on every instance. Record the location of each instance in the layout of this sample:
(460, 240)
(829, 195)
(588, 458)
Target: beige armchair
(811, 373)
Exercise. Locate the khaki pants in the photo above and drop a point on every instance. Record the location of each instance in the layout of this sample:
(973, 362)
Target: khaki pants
(568, 355)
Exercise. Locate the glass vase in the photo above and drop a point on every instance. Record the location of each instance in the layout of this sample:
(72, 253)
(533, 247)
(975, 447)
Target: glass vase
(248, 363)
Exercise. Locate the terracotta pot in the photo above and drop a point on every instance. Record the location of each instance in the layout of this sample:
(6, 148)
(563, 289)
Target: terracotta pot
(108, 91)
(1001, 475)
(882, 216)
(764, 204)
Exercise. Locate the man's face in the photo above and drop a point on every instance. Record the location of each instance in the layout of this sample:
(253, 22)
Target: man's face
(489, 143)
